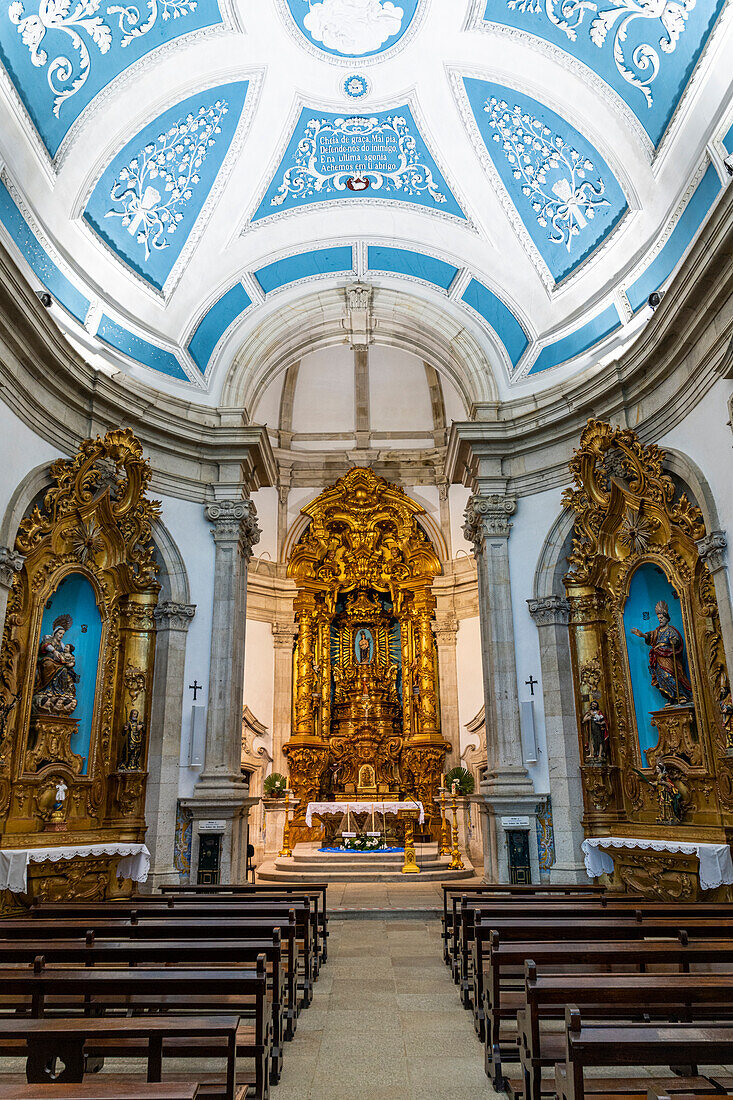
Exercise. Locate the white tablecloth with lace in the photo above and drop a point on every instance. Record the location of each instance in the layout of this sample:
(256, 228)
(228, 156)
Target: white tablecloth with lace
(134, 861)
(316, 809)
(716, 866)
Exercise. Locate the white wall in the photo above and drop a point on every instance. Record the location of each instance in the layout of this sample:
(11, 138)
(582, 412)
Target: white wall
(259, 673)
(470, 677)
(324, 392)
(21, 451)
(399, 398)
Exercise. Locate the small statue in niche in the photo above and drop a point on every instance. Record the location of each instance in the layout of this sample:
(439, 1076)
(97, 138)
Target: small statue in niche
(54, 690)
(667, 659)
(133, 738)
(364, 647)
(669, 795)
(59, 797)
(726, 709)
(597, 746)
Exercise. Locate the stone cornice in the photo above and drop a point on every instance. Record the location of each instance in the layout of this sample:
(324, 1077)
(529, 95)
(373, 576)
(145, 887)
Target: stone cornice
(234, 521)
(169, 615)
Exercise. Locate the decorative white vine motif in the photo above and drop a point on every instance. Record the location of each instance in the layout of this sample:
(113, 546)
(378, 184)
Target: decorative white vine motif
(337, 156)
(83, 28)
(536, 156)
(151, 211)
(643, 67)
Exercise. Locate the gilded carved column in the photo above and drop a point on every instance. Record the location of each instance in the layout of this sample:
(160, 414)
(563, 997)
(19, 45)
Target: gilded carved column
(712, 549)
(551, 616)
(424, 609)
(11, 562)
(305, 675)
(172, 621)
(445, 629)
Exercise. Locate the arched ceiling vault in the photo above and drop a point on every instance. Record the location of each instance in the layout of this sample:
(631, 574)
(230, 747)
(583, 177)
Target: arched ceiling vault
(512, 177)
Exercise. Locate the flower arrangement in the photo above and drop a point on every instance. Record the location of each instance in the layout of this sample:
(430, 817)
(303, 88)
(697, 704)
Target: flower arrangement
(275, 785)
(367, 842)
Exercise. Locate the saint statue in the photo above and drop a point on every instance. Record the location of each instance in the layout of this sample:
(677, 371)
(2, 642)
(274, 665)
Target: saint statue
(364, 647)
(666, 658)
(598, 735)
(54, 689)
(669, 796)
(133, 733)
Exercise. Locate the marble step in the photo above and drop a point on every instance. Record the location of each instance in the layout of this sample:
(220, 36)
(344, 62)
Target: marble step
(308, 864)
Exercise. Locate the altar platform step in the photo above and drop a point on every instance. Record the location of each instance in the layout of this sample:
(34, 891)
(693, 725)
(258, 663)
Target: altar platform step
(308, 864)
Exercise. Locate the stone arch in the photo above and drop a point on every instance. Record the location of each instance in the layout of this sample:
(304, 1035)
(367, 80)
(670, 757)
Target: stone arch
(35, 482)
(552, 562)
(682, 467)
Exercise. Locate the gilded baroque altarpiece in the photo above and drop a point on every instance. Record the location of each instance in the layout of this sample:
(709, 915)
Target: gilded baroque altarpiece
(366, 715)
(654, 703)
(76, 667)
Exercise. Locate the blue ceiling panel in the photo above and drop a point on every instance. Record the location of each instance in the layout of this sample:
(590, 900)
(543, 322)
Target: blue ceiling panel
(147, 200)
(499, 317)
(383, 156)
(291, 269)
(142, 351)
(645, 52)
(352, 30)
(579, 341)
(563, 190)
(60, 55)
(416, 265)
(214, 324)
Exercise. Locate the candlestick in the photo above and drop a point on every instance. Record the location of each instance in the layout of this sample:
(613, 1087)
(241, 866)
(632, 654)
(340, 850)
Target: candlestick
(456, 863)
(445, 849)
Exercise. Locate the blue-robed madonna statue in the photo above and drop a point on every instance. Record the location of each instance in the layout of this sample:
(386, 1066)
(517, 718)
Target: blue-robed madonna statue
(667, 658)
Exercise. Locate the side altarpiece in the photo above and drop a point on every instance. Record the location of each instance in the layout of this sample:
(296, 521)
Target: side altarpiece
(366, 714)
(651, 681)
(76, 667)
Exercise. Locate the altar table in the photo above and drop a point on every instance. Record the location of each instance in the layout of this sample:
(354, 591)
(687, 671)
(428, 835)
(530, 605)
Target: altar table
(716, 866)
(134, 861)
(315, 809)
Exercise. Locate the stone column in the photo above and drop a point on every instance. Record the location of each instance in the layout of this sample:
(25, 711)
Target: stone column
(712, 550)
(172, 621)
(221, 792)
(284, 635)
(11, 562)
(508, 788)
(551, 616)
(445, 629)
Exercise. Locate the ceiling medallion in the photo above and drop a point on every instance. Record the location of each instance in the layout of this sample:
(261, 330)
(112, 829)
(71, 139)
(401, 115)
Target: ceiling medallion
(352, 28)
(356, 86)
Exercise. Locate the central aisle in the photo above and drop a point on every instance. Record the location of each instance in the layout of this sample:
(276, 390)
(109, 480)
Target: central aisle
(385, 1023)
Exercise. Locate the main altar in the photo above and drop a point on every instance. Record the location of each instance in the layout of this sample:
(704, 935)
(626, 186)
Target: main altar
(365, 698)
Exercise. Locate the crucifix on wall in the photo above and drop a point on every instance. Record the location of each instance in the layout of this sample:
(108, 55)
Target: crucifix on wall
(195, 687)
(531, 684)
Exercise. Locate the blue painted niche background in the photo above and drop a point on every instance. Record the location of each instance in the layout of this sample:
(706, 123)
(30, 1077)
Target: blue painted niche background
(75, 596)
(171, 20)
(560, 260)
(159, 139)
(696, 21)
(648, 585)
(322, 23)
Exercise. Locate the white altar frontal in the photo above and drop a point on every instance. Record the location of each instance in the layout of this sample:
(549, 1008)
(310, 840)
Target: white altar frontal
(373, 809)
(716, 866)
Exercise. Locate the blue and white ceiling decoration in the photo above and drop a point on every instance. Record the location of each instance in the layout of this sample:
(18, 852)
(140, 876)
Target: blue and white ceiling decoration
(61, 53)
(566, 195)
(645, 51)
(352, 28)
(147, 201)
(381, 156)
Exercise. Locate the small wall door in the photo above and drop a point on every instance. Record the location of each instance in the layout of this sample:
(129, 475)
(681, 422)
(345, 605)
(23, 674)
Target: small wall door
(209, 859)
(519, 867)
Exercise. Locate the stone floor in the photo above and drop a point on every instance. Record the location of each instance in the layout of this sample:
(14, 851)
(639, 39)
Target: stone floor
(386, 1022)
(379, 895)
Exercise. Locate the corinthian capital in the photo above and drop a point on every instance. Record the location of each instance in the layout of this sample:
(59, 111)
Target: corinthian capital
(11, 562)
(550, 611)
(169, 615)
(488, 517)
(712, 550)
(234, 521)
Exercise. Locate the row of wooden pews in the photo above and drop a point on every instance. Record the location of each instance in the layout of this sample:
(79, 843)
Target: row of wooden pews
(220, 976)
(563, 982)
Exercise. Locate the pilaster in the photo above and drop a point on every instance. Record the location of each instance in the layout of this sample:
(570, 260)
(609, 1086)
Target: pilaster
(172, 621)
(712, 549)
(445, 628)
(283, 636)
(551, 616)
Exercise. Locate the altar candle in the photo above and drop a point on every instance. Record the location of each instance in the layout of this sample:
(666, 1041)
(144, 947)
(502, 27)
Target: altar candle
(442, 782)
(372, 817)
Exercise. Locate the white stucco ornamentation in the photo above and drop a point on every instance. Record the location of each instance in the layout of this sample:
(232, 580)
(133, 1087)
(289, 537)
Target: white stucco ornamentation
(566, 206)
(154, 188)
(354, 26)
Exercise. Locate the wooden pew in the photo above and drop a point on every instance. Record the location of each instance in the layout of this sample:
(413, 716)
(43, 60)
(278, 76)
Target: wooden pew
(600, 1046)
(618, 996)
(121, 1087)
(91, 951)
(502, 1003)
(316, 890)
(91, 991)
(45, 1041)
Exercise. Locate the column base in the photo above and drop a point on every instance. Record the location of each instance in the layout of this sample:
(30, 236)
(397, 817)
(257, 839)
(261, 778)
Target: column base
(511, 803)
(562, 874)
(221, 805)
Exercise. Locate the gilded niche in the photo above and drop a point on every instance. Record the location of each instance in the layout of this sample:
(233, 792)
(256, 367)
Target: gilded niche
(77, 654)
(652, 688)
(365, 696)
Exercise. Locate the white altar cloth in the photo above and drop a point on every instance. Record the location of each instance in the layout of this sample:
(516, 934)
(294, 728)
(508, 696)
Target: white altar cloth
(134, 862)
(316, 808)
(716, 865)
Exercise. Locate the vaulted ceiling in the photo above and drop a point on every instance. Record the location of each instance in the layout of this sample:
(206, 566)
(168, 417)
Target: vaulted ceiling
(176, 172)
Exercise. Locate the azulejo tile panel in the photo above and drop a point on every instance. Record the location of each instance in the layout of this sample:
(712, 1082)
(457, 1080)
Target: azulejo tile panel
(352, 28)
(61, 53)
(565, 194)
(375, 157)
(147, 201)
(644, 51)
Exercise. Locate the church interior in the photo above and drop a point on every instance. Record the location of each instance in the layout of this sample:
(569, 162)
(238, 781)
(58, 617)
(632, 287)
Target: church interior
(366, 405)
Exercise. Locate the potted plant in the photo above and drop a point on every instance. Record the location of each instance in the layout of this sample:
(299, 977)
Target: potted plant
(275, 785)
(465, 783)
